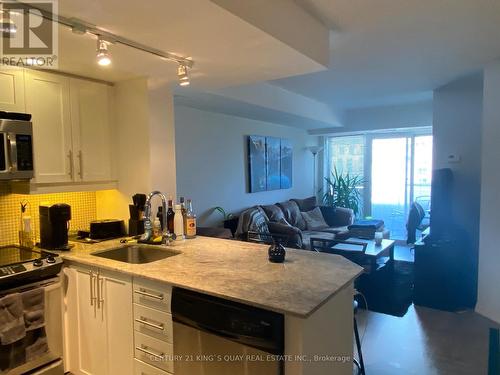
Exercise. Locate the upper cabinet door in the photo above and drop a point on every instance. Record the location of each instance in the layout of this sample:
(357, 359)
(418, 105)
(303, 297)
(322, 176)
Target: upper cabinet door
(47, 99)
(90, 116)
(12, 90)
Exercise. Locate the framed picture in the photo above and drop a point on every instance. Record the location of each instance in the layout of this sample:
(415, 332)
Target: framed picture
(286, 164)
(257, 163)
(269, 163)
(273, 162)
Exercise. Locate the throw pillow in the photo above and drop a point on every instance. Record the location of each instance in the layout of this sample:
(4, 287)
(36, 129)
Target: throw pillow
(292, 214)
(307, 204)
(314, 219)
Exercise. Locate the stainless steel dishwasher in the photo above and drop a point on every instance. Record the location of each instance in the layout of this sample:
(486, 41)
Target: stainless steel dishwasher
(214, 336)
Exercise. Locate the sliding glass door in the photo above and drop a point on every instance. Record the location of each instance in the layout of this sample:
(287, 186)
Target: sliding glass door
(389, 181)
(396, 167)
(401, 170)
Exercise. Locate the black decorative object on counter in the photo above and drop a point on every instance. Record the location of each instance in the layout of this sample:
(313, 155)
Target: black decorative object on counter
(277, 253)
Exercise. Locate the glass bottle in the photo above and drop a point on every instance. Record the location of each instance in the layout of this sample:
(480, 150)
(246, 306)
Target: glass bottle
(190, 230)
(178, 223)
(183, 212)
(170, 216)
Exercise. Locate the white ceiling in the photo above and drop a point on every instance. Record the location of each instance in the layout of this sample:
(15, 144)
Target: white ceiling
(227, 50)
(396, 51)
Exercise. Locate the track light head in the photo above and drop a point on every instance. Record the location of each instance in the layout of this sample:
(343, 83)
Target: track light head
(7, 27)
(103, 56)
(183, 75)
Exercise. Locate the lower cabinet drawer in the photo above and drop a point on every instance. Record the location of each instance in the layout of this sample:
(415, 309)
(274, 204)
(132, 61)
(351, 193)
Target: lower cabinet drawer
(153, 323)
(141, 368)
(152, 294)
(154, 352)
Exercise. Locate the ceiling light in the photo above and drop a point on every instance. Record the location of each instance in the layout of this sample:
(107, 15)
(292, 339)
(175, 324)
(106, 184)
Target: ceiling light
(183, 75)
(103, 56)
(7, 26)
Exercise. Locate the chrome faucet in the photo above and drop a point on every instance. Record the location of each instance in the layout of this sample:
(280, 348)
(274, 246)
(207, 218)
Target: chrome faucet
(148, 226)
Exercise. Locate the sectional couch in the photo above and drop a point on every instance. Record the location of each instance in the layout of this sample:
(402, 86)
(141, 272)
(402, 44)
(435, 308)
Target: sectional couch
(297, 220)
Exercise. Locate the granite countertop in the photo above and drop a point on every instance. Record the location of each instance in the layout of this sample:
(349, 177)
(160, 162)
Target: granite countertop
(238, 271)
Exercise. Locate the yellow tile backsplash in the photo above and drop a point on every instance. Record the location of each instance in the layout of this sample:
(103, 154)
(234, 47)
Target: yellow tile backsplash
(83, 211)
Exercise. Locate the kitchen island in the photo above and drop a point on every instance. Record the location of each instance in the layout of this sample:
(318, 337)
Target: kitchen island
(313, 291)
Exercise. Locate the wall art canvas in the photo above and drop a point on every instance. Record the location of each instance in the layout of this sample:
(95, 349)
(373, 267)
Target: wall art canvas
(269, 163)
(273, 156)
(257, 163)
(286, 158)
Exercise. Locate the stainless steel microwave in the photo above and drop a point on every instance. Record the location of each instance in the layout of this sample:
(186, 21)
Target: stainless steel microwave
(16, 148)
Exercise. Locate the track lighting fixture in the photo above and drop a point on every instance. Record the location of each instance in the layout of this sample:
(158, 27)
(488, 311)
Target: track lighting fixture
(103, 56)
(182, 74)
(104, 38)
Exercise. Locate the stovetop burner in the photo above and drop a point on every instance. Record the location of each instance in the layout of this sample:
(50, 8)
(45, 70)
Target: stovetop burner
(14, 254)
(19, 264)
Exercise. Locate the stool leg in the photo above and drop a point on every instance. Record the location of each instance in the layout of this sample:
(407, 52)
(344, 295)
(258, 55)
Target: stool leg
(358, 346)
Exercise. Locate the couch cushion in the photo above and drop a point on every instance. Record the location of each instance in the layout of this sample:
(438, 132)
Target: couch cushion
(307, 204)
(292, 214)
(314, 220)
(308, 234)
(273, 212)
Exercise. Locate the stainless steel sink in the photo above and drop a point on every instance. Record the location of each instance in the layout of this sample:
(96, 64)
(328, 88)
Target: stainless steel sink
(137, 254)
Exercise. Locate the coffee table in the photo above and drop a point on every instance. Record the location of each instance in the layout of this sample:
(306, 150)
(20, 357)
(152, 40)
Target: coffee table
(361, 251)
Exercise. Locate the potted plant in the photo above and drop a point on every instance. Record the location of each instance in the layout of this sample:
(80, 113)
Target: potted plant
(229, 220)
(343, 190)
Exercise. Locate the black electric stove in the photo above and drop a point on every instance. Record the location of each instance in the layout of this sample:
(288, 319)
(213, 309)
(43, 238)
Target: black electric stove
(20, 265)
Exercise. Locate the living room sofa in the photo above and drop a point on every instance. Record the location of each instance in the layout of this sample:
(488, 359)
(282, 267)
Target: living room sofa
(291, 220)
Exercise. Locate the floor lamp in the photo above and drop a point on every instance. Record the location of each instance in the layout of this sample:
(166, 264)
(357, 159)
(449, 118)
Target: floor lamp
(315, 150)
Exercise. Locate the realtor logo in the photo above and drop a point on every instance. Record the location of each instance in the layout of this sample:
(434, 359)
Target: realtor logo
(29, 36)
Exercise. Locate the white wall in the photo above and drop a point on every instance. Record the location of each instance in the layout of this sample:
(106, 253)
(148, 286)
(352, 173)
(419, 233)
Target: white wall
(212, 163)
(144, 148)
(457, 121)
(458, 108)
(489, 253)
(409, 115)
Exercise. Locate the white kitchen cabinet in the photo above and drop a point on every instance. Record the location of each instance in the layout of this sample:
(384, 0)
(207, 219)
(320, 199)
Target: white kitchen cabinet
(72, 120)
(47, 99)
(12, 90)
(99, 322)
(90, 118)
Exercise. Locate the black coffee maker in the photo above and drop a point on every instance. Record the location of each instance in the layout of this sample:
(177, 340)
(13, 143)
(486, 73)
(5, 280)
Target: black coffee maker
(54, 226)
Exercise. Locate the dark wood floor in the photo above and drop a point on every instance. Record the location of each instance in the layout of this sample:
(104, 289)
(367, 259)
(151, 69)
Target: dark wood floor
(425, 342)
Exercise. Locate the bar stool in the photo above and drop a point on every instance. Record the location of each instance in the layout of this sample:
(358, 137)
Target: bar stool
(359, 363)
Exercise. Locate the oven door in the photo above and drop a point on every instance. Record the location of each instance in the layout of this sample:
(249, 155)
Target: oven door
(51, 361)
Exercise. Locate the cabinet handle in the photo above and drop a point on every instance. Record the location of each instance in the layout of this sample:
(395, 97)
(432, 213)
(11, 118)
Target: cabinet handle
(71, 170)
(143, 320)
(80, 162)
(91, 279)
(100, 294)
(145, 350)
(143, 292)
